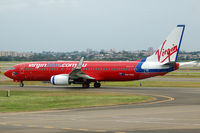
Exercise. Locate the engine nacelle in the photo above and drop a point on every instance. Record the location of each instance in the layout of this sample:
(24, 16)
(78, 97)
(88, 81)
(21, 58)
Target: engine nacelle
(62, 79)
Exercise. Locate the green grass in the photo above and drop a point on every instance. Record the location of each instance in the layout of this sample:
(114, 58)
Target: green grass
(190, 68)
(153, 84)
(5, 62)
(10, 82)
(45, 100)
(145, 83)
(1, 73)
(182, 74)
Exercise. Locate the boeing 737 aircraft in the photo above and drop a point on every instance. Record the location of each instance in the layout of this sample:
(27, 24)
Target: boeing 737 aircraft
(164, 60)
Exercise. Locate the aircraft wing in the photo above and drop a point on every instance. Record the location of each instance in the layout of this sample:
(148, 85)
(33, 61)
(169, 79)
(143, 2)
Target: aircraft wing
(78, 73)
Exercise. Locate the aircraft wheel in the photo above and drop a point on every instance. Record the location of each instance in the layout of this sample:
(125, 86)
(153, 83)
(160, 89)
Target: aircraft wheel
(21, 84)
(86, 85)
(97, 85)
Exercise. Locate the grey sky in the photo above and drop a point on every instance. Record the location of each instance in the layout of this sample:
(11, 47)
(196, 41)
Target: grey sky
(68, 25)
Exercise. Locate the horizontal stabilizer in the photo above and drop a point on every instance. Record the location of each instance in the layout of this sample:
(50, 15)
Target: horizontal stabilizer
(170, 64)
(189, 64)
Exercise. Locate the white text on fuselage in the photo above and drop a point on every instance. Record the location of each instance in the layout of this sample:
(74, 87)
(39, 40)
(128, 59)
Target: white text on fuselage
(55, 65)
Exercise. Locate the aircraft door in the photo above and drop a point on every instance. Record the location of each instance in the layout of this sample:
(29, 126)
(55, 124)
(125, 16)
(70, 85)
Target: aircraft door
(21, 69)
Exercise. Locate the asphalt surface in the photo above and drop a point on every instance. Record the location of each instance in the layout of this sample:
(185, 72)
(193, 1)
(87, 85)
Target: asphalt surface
(176, 110)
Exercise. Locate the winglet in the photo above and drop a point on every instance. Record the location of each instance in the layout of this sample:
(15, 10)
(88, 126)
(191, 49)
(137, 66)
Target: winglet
(79, 66)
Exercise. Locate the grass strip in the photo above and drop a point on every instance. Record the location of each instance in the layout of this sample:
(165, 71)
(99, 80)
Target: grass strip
(153, 84)
(145, 83)
(44, 100)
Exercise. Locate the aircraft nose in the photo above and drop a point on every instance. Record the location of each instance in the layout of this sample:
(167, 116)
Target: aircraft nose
(8, 73)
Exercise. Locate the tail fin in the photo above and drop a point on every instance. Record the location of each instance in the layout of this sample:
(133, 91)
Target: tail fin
(168, 51)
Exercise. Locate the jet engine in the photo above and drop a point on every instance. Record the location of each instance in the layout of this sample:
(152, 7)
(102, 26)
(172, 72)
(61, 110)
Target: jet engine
(62, 79)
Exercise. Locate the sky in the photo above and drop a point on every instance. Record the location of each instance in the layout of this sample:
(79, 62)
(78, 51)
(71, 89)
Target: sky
(69, 25)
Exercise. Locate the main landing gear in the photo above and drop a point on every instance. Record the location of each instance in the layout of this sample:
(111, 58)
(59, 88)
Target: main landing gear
(21, 84)
(87, 85)
(97, 85)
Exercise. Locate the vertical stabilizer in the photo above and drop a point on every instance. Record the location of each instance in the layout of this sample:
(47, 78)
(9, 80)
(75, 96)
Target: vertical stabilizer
(168, 51)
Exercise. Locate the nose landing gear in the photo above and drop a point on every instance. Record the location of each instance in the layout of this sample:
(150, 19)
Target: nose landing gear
(21, 84)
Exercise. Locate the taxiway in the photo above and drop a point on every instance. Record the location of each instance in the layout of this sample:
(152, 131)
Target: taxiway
(176, 110)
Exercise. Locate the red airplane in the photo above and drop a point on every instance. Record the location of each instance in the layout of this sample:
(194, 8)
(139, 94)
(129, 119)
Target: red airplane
(84, 72)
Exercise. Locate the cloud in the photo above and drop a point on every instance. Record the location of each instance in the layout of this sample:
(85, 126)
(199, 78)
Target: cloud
(71, 3)
(18, 5)
(50, 2)
(13, 5)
